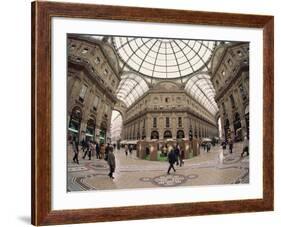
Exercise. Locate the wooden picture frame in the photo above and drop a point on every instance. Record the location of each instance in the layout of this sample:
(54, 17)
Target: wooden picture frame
(42, 13)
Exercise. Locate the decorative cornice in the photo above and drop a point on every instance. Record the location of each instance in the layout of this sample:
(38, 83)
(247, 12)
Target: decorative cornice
(100, 45)
(234, 78)
(80, 66)
(182, 110)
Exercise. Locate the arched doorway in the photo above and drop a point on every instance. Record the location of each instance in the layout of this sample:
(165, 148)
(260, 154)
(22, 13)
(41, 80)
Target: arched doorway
(75, 122)
(219, 127)
(167, 134)
(180, 134)
(116, 128)
(154, 135)
(103, 129)
(90, 129)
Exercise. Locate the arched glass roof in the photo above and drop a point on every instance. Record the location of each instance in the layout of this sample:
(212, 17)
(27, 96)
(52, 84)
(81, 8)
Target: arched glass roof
(131, 88)
(164, 58)
(201, 88)
(116, 125)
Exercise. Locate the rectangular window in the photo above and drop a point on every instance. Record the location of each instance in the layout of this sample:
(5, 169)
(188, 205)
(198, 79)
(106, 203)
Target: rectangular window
(167, 122)
(180, 122)
(154, 122)
(83, 91)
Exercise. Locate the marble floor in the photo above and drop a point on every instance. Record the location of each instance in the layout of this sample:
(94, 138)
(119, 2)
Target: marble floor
(213, 168)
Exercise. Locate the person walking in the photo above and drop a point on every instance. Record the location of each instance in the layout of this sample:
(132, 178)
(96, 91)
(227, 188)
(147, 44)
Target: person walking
(83, 144)
(181, 156)
(93, 148)
(245, 147)
(126, 150)
(75, 148)
(208, 147)
(172, 160)
(204, 146)
(107, 148)
(87, 150)
(223, 144)
(97, 150)
(177, 154)
(111, 162)
(130, 149)
(230, 144)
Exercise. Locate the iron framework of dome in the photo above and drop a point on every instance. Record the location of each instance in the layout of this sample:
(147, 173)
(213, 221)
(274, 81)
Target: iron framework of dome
(164, 58)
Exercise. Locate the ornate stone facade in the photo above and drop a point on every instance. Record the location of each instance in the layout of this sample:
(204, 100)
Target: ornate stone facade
(92, 79)
(230, 78)
(167, 111)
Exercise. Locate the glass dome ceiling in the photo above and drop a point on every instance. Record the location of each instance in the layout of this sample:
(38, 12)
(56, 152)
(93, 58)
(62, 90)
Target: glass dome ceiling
(201, 88)
(131, 87)
(164, 58)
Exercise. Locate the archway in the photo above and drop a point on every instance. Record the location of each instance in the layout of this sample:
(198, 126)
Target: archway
(237, 127)
(219, 127)
(75, 122)
(167, 134)
(116, 126)
(154, 135)
(90, 129)
(180, 134)
(103, 129)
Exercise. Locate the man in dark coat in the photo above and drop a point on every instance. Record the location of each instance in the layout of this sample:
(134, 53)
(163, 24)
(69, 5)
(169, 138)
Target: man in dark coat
(111, 163)
(172, 160)
(97, 150)
(230, 144)
(107, 148)
(75, 148)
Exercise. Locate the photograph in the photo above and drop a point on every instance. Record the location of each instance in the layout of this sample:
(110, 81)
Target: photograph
(154, 112)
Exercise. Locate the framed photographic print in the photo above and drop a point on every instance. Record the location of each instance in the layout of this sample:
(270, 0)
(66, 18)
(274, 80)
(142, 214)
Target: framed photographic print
(142, 113)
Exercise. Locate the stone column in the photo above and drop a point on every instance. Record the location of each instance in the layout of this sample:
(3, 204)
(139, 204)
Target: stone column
(82, 131)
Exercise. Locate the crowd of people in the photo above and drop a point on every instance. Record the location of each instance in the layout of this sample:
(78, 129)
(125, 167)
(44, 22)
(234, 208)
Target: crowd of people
(175, 154)
(91, 149)
(229, 143)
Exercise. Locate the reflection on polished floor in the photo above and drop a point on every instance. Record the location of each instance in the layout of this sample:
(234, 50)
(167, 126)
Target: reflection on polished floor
(213, 168)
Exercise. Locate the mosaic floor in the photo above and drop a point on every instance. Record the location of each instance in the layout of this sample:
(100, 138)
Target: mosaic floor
(211, 168)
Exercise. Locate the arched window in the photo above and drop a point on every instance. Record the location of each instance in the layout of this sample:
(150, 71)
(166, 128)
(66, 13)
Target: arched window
(154, 135)
(180, 134)
(90, 130)
(75, 120)
(167, 134)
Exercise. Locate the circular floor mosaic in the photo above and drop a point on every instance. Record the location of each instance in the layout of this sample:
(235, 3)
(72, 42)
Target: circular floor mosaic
(169, 180)
(231, 159)
(97, 166)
